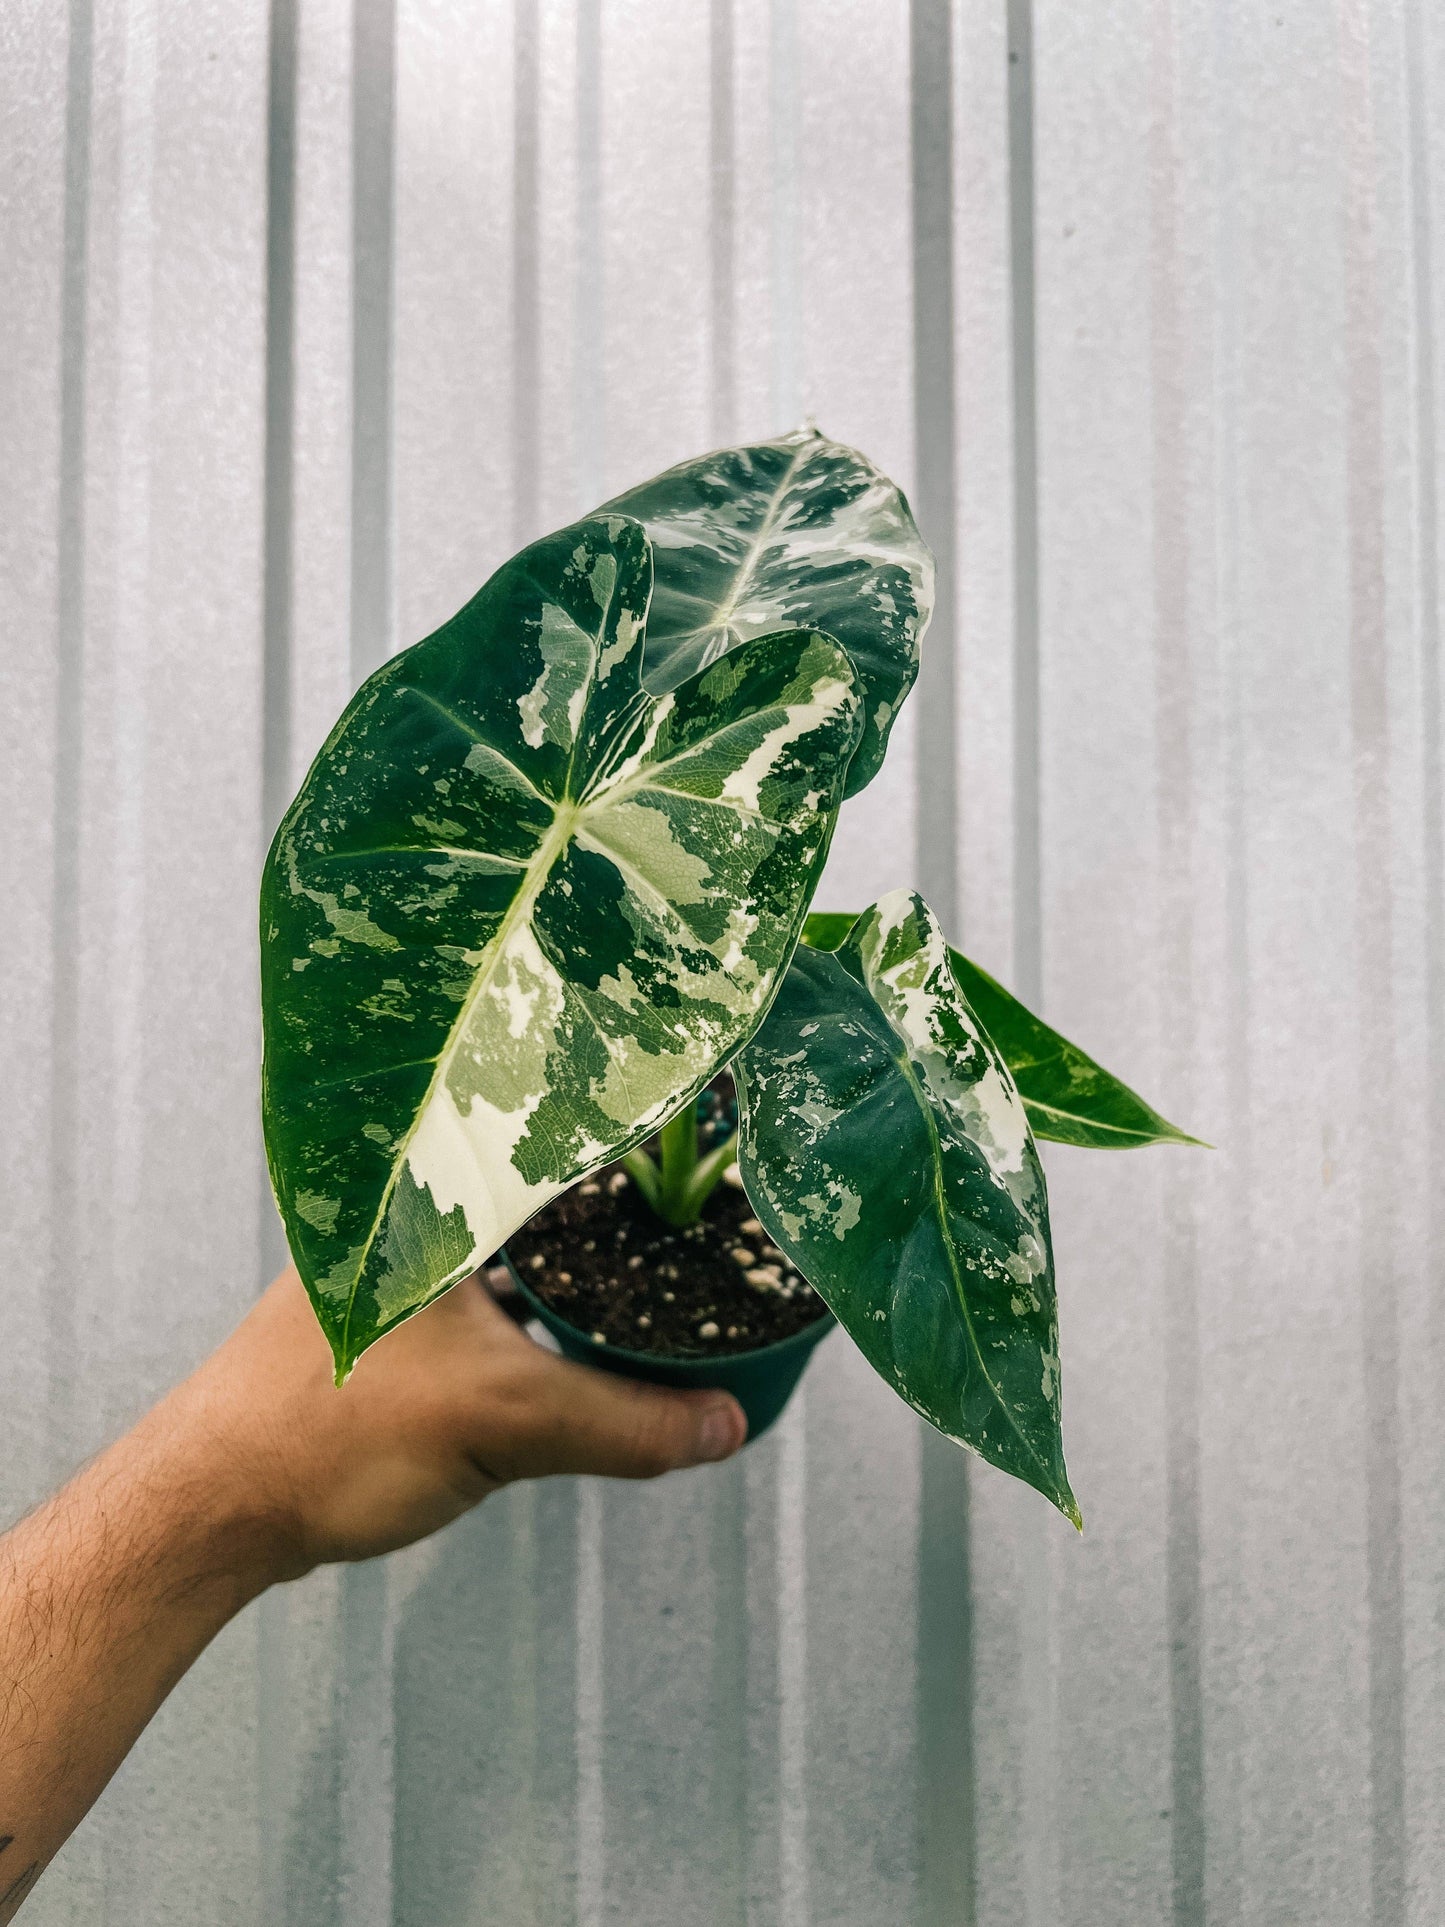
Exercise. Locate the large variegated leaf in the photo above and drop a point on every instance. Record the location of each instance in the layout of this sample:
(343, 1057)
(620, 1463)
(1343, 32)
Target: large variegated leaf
(798, 533)
(884, 1146)
(521, 909)
(1068, 1097)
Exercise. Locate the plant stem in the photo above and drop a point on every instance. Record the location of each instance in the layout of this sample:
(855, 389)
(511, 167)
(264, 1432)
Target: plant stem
(678, 1143)
(678, 1190)
(709, 1171)
(646, 1176)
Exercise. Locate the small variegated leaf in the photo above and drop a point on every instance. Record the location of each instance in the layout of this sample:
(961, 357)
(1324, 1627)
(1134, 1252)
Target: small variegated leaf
(1069, 1098)
(798, 533)
(522, 909)
(884, 1147)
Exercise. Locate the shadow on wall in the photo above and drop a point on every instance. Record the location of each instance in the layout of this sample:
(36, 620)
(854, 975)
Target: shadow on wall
(485, 1705)
(488, 1827)
(472, 1818)
(484, 1760)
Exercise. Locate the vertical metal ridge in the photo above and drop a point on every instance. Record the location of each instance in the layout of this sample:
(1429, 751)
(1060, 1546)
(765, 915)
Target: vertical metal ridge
(1174, 707)
(526, 279)
(931, 115)
(366, 1763)
(364, 1683)
(1428, 580)
(794, 1859)
(1369, 730)
(591, 1711)
(278, 480)
(721, 240)
(784, 90)
(794, 1907)
(1028, 858)
(273, 1724)
(590, 399)
(945, 1690)
(1220, 1687)
(373, 134)
(1427, 508)
(945, 1697)
(273, 1646)
(728, 1497)
(728, 1683)
(69, 744)
(1038, 1763)
(1039, 1746)
(589, 429)
(279, 424)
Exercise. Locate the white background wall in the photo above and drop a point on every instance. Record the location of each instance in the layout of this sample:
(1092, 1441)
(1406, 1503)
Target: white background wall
(310, 318)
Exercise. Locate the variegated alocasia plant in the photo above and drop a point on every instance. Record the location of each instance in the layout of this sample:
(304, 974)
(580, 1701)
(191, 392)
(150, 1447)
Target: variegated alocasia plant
(550, 872)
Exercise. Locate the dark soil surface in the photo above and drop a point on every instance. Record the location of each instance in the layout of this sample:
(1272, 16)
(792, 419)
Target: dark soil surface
(600, 1258)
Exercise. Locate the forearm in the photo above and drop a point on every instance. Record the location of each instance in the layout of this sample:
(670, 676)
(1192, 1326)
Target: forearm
(107, 1595)
(255, 1470)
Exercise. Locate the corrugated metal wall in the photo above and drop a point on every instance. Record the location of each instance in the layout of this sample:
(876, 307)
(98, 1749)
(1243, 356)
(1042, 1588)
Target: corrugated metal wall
(310, 319)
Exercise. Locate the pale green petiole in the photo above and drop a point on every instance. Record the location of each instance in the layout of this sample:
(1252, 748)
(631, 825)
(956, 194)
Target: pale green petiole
(707, 1174)
(681, 1185)
(645, 1175)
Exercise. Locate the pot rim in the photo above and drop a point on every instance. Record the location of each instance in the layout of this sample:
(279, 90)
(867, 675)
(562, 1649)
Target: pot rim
(810, 1334)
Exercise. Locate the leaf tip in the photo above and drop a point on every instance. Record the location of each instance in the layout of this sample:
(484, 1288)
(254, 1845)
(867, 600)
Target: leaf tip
(343, 1358)
(1167, 1133)
(1063, 1498)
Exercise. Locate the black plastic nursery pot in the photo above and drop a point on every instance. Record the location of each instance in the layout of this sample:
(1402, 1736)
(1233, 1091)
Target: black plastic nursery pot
(762, 1381)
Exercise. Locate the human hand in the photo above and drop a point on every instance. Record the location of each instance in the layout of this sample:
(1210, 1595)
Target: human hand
(450, 1406)
(256, 1469)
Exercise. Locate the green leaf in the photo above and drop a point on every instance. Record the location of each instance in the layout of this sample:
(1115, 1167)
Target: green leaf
(826, 929)
(521, 910)
(1068, 1097)
(796, 533)
(886, 1150)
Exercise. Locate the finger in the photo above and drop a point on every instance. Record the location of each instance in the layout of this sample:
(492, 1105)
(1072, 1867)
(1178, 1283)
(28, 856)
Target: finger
(593, 1421)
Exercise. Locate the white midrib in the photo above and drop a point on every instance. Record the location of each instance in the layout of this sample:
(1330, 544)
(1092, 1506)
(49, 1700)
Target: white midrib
(565, 818)
(725, 613)
(563, 828)
(960, 1290)
(1047, 1110)
(568, 818)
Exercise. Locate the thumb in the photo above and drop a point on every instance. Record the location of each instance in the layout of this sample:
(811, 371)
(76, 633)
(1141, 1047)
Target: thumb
(593, 1421)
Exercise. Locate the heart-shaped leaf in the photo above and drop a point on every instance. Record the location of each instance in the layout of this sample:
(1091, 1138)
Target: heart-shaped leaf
(885, 1148)
(798, 533)
(1069, 1098)
(521, 910)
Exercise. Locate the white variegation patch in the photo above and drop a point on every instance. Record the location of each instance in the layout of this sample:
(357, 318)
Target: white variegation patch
(800, 532)
(552, 708)
(549, 984)
(923, 1002)
(885, 1148)
(743, 784)
(507, 1051)
(464, 1158)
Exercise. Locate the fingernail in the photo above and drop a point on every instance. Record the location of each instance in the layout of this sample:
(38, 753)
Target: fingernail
(719, 1436)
